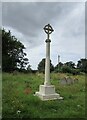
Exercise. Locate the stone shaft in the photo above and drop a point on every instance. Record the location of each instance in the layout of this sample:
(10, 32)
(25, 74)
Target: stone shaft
(47, 64)
(47, 91)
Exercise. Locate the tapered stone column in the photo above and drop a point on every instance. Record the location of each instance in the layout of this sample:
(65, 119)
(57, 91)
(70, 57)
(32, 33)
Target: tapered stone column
(48, 29)
(47, 64)
(47, 91)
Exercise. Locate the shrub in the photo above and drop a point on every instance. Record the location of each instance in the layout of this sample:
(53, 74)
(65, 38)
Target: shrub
(66, 69)
(75, 71)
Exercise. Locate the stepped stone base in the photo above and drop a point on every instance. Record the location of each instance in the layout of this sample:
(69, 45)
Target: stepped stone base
(47, 93)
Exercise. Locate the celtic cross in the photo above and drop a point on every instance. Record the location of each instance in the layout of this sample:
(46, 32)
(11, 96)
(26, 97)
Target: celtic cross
(48, 29)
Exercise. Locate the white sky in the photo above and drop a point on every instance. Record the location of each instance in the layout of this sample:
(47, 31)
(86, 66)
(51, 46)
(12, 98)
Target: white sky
(43, 0)
(26, 22)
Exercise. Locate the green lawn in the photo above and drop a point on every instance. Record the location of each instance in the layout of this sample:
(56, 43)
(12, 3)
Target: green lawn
(19, 101)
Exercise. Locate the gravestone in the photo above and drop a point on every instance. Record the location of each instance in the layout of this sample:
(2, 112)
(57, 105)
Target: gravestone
(47, 91)
(76, 80)
(68, 81)
(63, 81)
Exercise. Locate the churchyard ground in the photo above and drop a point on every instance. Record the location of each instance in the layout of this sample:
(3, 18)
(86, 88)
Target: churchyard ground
(18, 100)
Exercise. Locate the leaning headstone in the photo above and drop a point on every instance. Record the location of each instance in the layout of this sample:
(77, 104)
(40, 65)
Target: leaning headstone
(63, 81)
(68, 81)
(76, 80)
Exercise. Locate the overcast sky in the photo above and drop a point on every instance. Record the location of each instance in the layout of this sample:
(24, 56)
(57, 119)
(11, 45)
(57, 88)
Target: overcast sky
(27, 19)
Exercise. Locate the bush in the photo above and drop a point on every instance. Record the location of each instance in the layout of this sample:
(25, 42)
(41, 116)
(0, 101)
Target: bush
(75, 71)
(66, 69)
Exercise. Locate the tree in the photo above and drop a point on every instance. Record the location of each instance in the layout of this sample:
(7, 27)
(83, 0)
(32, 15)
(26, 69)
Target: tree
(58, 67)
(29, 68)
(69, 67)
(41, 66)
(66, 69)
(82, 65)
(70, 64)
(13, 56)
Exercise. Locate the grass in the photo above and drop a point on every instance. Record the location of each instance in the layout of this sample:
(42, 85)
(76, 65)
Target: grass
(19, 101)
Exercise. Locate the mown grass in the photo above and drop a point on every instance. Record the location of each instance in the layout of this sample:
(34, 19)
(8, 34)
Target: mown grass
(18, 103)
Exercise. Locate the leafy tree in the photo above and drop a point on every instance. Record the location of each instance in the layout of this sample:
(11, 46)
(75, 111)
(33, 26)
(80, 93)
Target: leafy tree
(41, 66)
(69, 67)
(13, 56)
(29, 68)
(66, 69)
(75, 71)
(82, 65)
(58, 67)
(70, 64)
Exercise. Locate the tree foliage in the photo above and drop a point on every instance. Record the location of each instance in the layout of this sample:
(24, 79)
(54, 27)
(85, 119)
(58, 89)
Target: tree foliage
(41, 66)
(70, 64)
(68, 67)
(13, 56)
(58, 67)
(82, 65)
(29, 68)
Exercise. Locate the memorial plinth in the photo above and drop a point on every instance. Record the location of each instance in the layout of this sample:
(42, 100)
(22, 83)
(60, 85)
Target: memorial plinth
(47, 91)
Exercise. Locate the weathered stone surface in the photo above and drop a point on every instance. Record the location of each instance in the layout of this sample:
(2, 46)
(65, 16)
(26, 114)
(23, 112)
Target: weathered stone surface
(68, 81)
(47, 93)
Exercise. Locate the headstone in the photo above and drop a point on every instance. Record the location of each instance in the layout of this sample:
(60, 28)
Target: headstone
(76, 80)
(68, 81)
(63, 81)
(47, 91)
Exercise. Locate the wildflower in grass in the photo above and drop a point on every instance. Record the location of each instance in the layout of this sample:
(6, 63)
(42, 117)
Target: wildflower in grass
(54, 110)
(78, 106)
(12, 108)
(83, 89)
(18, 111)
(22, 106)
(13, 101)
(0, 117)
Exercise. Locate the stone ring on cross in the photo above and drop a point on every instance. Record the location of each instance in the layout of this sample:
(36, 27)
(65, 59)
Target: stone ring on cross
(48, 29)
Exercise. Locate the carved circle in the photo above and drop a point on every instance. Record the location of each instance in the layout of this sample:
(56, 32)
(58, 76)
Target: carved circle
(48, 29)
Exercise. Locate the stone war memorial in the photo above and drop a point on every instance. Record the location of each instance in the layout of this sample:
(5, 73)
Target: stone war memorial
(47, 91)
